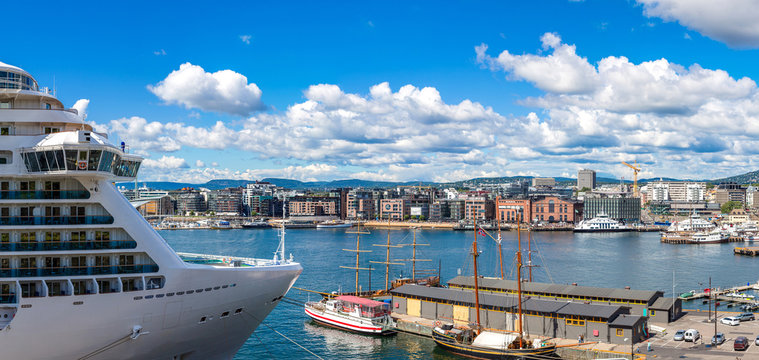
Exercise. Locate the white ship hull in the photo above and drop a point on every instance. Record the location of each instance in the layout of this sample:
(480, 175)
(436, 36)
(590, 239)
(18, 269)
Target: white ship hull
(171, 325)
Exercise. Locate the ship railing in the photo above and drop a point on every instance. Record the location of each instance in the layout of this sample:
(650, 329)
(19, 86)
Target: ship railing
(78, 270)
(68, 245)
(56, 220)
(43, 194)
(230, 261)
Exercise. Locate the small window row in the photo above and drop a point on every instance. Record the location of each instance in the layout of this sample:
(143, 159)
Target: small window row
(206, 318)
(186, 292)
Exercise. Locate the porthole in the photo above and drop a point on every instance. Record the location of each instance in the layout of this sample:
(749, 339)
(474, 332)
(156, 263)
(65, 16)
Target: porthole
(180, 293)
(148, 296)
(138, 297)
(216, 287)
(208, 289)
(202, 320)
(199, 290)
(169, 294)
(225, 314)
(158, 296)
(224, 286)
(239, 310)
(190, 292)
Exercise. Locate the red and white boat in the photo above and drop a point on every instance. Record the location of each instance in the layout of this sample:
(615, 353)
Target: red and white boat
(354, 314)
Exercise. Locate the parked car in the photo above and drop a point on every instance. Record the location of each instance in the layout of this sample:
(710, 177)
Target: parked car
(691, 335)
(730, 320)
(756, 342)
(681, 333)
(741, 343)
(746, 316)
(718, 339)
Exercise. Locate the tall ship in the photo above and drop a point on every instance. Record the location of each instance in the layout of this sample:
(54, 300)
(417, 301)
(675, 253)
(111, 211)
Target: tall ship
(82, 274)
(601, 223)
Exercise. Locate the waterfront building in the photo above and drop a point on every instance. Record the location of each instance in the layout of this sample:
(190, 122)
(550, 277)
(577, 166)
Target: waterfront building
(393, 209)
(456, 209)
(190, 201)
(314, 206)
(511, 210)
(637, 302)
(678, 191)
(659, 192)
(360, 203)
(752, 197)
(226, 201)
(417, 207)
(555, 209)
(547, 182)
(729, 192)
(155, 206)
(479, 207)
(625, 209)
(586, 179)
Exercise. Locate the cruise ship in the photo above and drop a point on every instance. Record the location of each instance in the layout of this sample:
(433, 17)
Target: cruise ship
(601, 223)
(82, 274)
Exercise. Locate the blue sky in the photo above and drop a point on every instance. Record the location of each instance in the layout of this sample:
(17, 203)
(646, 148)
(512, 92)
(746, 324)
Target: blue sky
(407, 90)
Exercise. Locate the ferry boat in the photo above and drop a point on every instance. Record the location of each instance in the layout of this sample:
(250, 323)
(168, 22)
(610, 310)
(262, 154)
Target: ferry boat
(256, 224)
(82, 274)
(353, 313)
(333, 225)
(601, 223)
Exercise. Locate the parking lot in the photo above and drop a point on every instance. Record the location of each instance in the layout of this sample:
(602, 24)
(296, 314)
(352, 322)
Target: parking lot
(665, 347)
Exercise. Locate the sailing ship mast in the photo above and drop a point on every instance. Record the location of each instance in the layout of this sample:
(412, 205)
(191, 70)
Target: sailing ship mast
(413, 259)
(476, 283)
(498, 217)
(387, 262)
(358, 251)
(519, 279)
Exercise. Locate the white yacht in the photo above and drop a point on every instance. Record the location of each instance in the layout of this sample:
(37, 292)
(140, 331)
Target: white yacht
(82, 274)
(601, 223)
(693, 223)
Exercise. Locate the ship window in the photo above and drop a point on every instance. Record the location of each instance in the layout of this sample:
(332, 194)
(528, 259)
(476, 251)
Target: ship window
(51, 129)
(225, 314)
(5, 104)
(107, 286)
(71, 159)
(29, 289)
(80, 287)
(129, 284)
(51, 161)
(53, 189)
(56, 288)
(102, 235)
(42, 161)
(94, 160)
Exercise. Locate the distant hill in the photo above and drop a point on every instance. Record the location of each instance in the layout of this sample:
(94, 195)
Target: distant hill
(747, 178)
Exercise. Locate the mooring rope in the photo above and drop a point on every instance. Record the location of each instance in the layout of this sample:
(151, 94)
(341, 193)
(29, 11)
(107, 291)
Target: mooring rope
(283, 335)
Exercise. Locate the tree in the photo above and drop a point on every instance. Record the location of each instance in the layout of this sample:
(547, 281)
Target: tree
(422, 218)
(730, 206)
(406, 217)
(585, 189)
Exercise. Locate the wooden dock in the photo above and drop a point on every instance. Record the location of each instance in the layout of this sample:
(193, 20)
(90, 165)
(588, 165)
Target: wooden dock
(721, 292)
(750, 251)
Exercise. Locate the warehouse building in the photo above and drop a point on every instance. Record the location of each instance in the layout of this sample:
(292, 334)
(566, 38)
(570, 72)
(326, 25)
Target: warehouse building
(550, 318)
(639, 302)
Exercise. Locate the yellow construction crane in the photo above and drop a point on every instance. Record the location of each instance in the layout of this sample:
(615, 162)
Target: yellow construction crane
(636, 169)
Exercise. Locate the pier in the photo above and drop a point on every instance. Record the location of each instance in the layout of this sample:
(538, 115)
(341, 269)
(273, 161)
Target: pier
(721, 292)
(749, 250)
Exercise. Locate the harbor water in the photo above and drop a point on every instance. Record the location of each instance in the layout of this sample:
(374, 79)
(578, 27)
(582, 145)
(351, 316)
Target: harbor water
(637, 260)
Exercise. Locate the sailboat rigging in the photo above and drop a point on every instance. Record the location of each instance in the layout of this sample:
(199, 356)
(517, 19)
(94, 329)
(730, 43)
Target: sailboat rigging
(486, 344)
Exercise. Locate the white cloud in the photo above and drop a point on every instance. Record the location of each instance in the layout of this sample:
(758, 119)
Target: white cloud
(560, 72)
(312, 172)
(139, 134)
(81, 107)
(246, 39)
(166, 163)
(161, 52)
(200, 163)
(223, 91)
(733, 22)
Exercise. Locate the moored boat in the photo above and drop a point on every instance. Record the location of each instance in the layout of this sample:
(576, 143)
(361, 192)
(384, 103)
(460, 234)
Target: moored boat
(353, 313)
(601, 223)
(333, 225)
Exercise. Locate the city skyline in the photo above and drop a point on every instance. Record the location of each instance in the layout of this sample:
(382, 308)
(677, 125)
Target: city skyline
(401, 92)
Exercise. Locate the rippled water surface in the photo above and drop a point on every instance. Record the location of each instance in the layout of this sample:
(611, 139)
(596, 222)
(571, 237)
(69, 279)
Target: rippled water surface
(637, 260)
